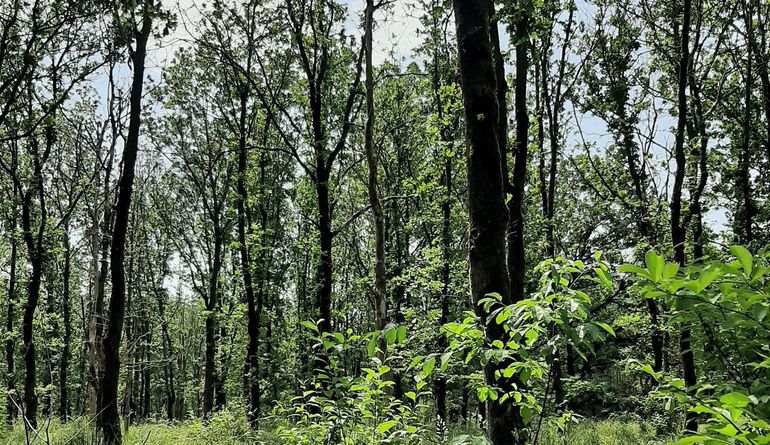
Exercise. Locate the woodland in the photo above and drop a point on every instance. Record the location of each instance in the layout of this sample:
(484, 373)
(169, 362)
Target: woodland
(360, 222)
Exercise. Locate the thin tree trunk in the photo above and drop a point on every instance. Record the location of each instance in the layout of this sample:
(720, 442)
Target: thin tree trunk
(440, 389)
(761, 51)
(146, 368)
(516, 254)
(11, 402)
(678, 231)
(35, 248)
(168, 355)
(380, 278)
(67, 338)
(251, 366)
(213, 307)
(746, 206)
(108, 419)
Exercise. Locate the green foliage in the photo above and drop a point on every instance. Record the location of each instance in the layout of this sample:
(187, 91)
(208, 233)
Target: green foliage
(337, 408)
(728, 303)
(535, 328)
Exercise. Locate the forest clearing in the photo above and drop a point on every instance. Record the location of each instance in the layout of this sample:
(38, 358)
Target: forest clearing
(362, 222)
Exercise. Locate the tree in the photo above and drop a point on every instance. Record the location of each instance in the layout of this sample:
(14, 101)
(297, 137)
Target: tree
(678, 230)
(486, 202)
(136, 34)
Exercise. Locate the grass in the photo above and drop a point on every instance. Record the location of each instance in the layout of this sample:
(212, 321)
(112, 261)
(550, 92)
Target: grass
(606, 432)
(223, 430)
(231, 430)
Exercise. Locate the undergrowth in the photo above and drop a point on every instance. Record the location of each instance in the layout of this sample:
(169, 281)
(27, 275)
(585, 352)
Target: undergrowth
(227, 428)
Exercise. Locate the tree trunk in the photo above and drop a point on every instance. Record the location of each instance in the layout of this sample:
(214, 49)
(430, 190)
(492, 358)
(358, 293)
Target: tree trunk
(67, 338)
(324, 272)
(168, 354)
(746, 204)
(35, 247)
(251, 366)
(108, 419)
(213, 307)
(446, 246)
(761, 51)
(516, 254)
(486, 200)
(11, 402)
(678, 231)
(146, 368)
(380, 278)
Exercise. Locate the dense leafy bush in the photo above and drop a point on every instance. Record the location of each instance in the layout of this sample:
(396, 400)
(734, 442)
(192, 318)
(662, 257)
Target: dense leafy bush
(727, 302)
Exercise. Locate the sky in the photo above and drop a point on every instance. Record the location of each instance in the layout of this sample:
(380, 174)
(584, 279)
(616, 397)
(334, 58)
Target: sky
(397, 32)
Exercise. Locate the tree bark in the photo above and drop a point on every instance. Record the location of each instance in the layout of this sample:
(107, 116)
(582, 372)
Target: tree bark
(108, 419)
(213, 305)
(486, 200)
(36, 251)
(746, 207)
(446, 221)
(678, 231)
(11, 403)
(66, 321)
(168, 354)
(516, 254)
(251, 367)
(380, 278)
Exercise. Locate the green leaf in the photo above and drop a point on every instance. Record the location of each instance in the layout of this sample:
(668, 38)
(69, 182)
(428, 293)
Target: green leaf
(503, 315)
(526, 414)
(690, 440)
(401, 334)
(735, 399)
(634, 269)
(371, 348)
(390, 336)
(648, 369)
(428, 366)
(655, 264)
(482, 392)
(670, 270)
(606, 327)
(744, 257)
(385, 426)
(604, 277)
(310, 325)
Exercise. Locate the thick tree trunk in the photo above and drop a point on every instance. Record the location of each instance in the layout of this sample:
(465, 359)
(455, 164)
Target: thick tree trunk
(486, 200)
(108, 419)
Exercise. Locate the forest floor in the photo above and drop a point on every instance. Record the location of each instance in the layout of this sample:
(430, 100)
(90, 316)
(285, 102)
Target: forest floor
(79, 432)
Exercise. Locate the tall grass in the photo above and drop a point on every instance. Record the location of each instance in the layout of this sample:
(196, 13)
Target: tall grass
(606, 432)
(229, 429)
